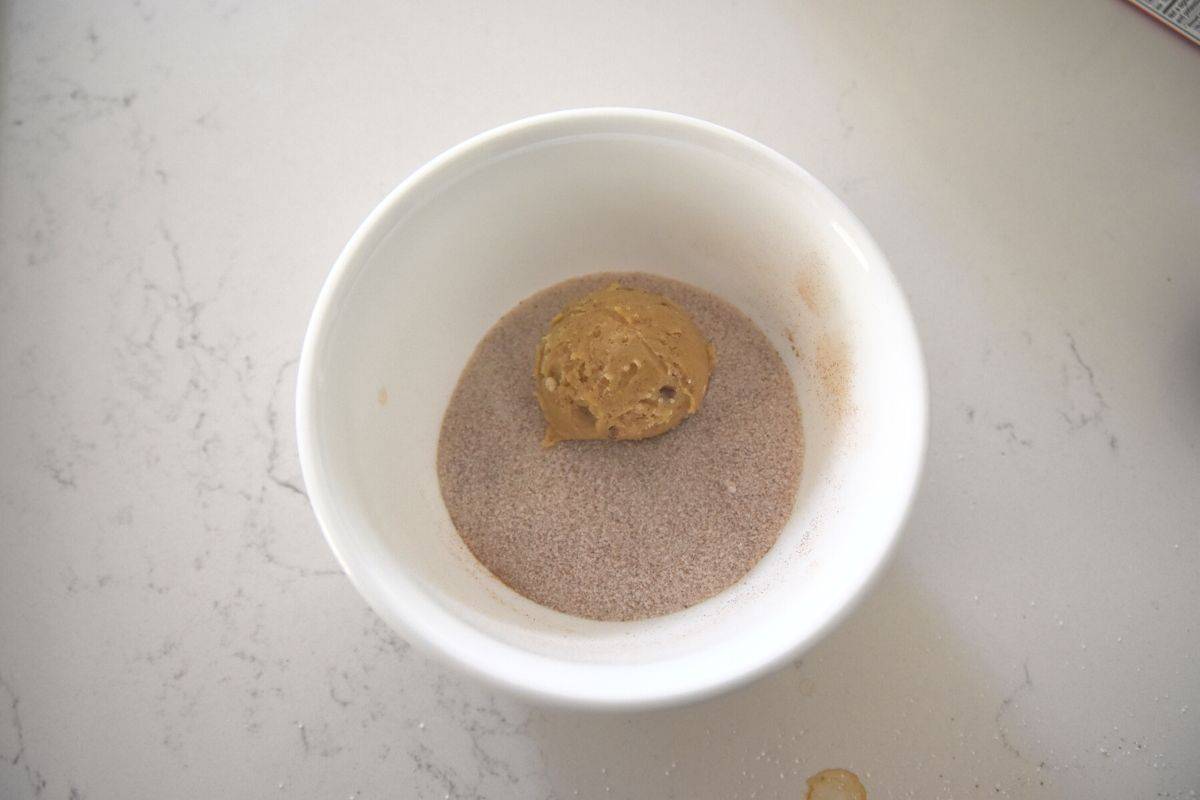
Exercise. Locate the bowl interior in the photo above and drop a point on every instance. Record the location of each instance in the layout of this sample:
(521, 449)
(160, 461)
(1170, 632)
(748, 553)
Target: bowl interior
(514, 211)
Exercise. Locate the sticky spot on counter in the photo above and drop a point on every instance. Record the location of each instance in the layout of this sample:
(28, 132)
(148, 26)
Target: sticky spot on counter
(835, 784)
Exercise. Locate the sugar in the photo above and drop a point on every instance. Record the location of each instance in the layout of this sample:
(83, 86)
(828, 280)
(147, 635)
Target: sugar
(622, 530)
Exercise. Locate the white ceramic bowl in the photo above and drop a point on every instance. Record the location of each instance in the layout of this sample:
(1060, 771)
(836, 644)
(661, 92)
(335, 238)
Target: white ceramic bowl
(526, 205)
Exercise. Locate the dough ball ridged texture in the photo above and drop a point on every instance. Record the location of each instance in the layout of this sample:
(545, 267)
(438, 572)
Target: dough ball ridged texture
(620, 363)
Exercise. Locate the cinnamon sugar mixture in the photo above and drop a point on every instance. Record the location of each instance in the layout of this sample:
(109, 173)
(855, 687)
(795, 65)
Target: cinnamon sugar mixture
(622, 530)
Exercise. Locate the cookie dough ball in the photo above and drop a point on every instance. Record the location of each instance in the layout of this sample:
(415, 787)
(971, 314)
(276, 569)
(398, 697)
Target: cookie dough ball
(620, 363)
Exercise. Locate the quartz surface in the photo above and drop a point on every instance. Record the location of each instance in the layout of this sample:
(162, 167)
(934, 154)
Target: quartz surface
(175, 181)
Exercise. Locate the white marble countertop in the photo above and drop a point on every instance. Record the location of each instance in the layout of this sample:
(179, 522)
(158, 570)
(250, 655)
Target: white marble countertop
(175, 181)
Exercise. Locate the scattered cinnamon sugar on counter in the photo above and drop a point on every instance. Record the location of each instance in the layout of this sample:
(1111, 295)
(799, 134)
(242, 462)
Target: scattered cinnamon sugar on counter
(619, 530)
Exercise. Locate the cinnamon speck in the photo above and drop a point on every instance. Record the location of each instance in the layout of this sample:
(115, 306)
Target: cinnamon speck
(811, 288)
(791, 337)
(835, 370)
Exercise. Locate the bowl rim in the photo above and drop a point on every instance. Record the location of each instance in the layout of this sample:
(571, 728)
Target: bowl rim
(511, 668)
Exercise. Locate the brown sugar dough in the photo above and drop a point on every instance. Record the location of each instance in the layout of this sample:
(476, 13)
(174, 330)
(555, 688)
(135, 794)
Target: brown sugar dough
(620, 363)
